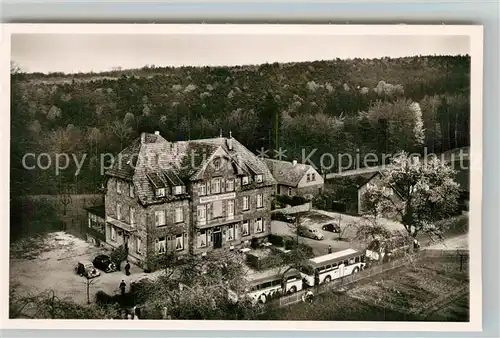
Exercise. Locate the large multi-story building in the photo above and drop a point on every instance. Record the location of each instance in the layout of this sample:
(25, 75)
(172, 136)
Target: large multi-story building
(187, 196)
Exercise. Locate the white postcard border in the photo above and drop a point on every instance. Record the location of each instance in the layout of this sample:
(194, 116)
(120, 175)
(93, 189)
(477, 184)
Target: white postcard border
(475, 33)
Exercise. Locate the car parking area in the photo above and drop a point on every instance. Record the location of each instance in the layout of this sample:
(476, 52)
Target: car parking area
(316, 219)
(55, 269)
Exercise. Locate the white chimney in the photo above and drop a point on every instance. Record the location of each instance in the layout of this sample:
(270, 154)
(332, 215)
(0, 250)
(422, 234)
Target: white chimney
(230, 141)
(294, 163)
(157, 132)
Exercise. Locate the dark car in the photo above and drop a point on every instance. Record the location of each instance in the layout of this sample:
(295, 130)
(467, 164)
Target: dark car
(278, 216)
(332, 227)
(104, 263)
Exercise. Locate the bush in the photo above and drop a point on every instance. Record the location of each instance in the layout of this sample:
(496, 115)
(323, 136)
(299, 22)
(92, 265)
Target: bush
(276, 240)
(118, 255)
(283, 200)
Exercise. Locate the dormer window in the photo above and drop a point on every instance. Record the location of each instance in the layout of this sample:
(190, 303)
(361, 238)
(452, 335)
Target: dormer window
(160, 192)
(258, 178)
(178, 189)
(217, 164)
(245, 180)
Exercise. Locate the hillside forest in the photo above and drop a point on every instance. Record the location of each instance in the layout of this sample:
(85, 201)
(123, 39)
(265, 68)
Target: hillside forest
(355, 106)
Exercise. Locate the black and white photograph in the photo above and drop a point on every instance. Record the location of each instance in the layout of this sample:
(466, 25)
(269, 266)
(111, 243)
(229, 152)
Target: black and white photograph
(261, 176)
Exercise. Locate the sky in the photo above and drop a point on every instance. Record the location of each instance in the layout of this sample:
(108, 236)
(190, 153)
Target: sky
(73, 53)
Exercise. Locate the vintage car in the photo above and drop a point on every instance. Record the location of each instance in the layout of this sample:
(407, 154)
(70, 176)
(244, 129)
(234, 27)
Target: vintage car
(332, 227)
(310, 232)
(87, 269)
(104, 263)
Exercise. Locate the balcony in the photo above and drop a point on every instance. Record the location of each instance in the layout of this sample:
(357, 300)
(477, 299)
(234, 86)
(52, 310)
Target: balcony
(203, 224)
(119, 224)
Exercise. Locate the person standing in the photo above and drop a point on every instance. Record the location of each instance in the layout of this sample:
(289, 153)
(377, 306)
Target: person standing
(122, 287)
(329, 249)
(127, 269)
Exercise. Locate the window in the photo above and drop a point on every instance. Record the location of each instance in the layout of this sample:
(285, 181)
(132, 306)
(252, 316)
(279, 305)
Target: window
(258, 225)
(216, 186)
(260, 202)
(178, 189)
(308, 177)
(202, 239)
(245, 228)
(346, 263)
(230, 208)
(246, 205)
(244, 180)
(334, 265)
(138, 245)
(118, 187)
(179, 216)
(113, 233)
(356, 260)
(131, 190)
(202, 189)
(161, 245)
(217, 209)
(179, 242)
(202, 213)
(289, 191)
(230, 232)
(387, 191)
(313, 177)
(258, 178)
(118, 211)
(160, 192)
(217, 164)
(230, 185)
(160, 218)
(351, 260)
(132, 216)
(329, 266)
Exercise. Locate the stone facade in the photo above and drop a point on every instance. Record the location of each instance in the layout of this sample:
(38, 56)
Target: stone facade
(221, 201)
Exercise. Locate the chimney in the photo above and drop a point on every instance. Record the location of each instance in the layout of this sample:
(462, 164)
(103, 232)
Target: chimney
(230, 141)
(143, 137)
(294, 163)
(157, 132)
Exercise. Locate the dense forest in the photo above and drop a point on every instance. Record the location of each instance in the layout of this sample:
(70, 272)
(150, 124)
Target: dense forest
(339, 106)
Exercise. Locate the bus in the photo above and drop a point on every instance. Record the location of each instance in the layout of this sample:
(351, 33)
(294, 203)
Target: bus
(266, 288)
(323, 269)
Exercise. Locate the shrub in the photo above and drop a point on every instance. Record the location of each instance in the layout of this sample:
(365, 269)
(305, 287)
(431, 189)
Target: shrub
(118, 255)
(276, 240)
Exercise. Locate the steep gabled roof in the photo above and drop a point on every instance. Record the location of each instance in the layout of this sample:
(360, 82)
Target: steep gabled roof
(151, 162)
(286, 173)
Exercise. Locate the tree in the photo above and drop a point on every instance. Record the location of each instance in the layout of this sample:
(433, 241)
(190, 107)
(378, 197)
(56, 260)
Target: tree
(428, 191)
(121, 130)
(196, 287)
(47, 305)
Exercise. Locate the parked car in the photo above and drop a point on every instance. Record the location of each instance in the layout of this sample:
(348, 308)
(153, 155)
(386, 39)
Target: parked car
(279, 216)
(332, 227)
(87, 269)
(310, 232)
(104, 263)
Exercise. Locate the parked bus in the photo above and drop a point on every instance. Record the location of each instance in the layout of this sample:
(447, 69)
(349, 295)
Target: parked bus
(263, 289)
(326, 268)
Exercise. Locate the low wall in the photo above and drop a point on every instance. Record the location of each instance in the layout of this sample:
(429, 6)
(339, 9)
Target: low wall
(295, 209)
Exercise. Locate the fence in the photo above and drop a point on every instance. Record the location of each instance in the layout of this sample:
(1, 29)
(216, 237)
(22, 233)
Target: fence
(295, 209)
(338, 284)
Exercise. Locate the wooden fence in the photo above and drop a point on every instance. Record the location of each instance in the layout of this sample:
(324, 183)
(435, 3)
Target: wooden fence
(339, 284)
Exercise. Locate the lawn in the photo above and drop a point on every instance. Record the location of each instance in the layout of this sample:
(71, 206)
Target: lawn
(435, 290)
